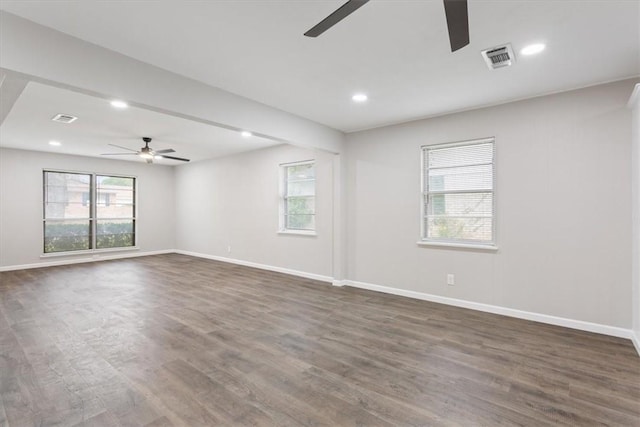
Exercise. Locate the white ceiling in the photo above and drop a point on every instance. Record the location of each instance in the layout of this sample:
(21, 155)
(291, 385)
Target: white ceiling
(29, 127)
(396, 51)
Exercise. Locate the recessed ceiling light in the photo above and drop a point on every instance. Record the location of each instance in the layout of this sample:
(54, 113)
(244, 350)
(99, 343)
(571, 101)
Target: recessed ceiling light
(119, 104)
(532, 49)
(359, 97)
(246, 134)
(55, 143)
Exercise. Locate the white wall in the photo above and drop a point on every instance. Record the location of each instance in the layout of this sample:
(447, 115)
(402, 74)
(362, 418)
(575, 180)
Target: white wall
(563, 207)
(233, 201)
(21, 202)
(634, 104)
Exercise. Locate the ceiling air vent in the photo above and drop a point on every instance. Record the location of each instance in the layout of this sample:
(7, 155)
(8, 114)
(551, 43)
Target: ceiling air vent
(64, 118)
(499, 56)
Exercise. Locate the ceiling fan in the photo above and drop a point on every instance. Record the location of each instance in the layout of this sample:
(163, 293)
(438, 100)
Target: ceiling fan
(455, 10)
(147, 152)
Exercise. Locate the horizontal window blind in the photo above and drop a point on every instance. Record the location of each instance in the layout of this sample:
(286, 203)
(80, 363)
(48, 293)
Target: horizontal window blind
(458, 192)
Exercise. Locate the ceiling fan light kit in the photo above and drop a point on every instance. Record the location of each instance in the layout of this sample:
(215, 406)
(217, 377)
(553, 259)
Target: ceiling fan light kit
(456, 13)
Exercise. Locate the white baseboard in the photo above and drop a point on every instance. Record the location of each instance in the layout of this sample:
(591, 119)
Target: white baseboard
(520, 314)
(304, 274)
(635, 339)
(104, 256)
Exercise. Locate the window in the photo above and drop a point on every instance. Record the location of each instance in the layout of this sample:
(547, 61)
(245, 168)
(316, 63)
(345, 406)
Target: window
(67, 212)
(298, 203)
(84, 211)
(115, 211)
(458, 193)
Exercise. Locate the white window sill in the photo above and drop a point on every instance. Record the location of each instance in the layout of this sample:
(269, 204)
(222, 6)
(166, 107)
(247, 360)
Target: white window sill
(488, 248)
(298, 232)
(89, 252)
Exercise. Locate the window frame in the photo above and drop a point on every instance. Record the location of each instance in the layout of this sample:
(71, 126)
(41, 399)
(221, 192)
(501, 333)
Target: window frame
(283, 188)
(425, 240)
(93, 219)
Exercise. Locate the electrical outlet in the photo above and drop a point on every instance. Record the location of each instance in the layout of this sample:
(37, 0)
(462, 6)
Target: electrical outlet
(229, 249)
(451, 279)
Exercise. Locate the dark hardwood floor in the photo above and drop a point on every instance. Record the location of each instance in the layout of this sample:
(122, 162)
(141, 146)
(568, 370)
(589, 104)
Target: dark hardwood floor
(175, 340)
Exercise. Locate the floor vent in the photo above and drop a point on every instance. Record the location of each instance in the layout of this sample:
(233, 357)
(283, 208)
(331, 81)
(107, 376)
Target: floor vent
(64, 118)
(499, 57)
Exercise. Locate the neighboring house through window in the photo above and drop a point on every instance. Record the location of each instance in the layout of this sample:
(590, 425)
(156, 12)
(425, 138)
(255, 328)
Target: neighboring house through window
(298, 197)
(85, 211)
(458, 193)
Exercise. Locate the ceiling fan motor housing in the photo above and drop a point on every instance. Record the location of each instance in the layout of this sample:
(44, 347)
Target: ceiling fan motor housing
(146, 149)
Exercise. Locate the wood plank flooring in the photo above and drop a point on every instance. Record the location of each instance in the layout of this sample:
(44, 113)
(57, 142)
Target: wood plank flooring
(172, 340)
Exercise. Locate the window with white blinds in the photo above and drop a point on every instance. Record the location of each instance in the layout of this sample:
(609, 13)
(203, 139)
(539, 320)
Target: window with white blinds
(458, 193)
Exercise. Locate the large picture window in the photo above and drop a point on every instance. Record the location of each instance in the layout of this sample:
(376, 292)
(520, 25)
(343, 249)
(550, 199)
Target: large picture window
(298, 203)
(84, 211)
(458, 193)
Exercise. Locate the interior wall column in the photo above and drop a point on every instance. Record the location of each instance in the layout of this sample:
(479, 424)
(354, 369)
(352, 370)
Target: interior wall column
(634, 105)
(339, 219)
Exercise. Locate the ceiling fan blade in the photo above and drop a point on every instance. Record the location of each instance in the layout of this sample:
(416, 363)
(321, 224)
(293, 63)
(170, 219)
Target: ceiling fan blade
(119, 154)
(124, 148)
(457, 23)
(342, 12)
(168, 150)
(175, 158)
